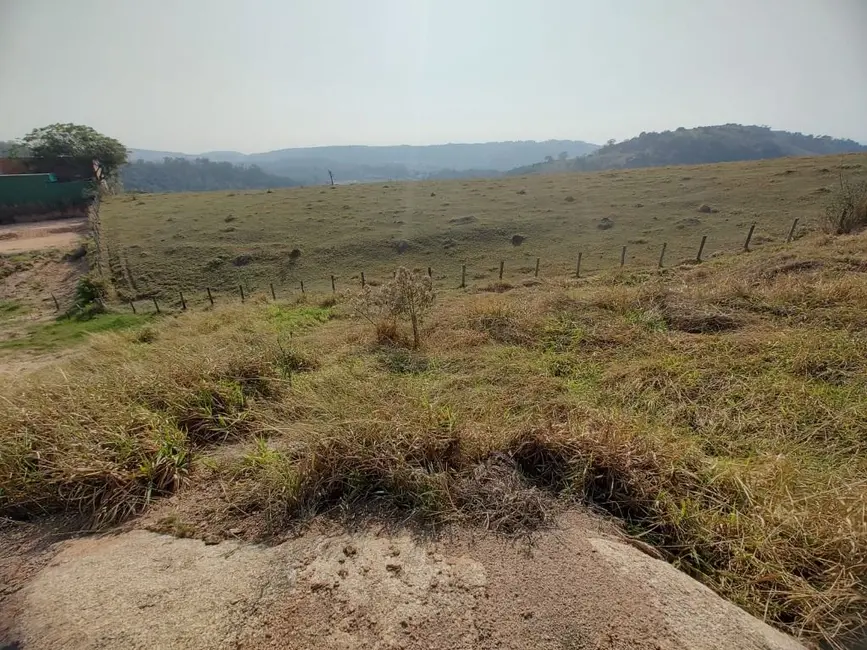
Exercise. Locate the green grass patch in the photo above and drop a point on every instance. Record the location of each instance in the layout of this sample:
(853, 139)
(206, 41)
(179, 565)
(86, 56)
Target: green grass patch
(10, 309)
(65, 332)
(297, 317)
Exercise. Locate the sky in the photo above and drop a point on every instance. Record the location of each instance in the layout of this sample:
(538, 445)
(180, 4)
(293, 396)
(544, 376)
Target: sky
(258, 75)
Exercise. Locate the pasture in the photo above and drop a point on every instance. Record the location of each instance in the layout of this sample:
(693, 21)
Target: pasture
(162, 243)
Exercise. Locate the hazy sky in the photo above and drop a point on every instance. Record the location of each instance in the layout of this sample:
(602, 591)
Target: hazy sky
(197, 75)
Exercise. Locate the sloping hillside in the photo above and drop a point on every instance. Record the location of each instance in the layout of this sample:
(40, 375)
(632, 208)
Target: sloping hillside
(191, 241)
(310, 165)
(704, 144)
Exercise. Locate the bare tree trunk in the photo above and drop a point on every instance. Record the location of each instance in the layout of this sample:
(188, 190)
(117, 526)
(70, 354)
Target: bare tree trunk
(414, 319)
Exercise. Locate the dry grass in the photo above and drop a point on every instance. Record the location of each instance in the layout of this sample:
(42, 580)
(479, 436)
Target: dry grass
(718, 411)
(159, 244)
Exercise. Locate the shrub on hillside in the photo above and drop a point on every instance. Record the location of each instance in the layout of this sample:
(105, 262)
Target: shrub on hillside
(90, 295)
(846, 211)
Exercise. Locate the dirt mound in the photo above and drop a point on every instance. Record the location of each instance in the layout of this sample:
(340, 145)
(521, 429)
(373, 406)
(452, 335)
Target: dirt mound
(576, 587)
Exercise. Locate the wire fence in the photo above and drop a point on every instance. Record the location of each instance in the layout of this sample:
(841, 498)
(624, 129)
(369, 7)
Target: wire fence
(110, 265)
(457, 278)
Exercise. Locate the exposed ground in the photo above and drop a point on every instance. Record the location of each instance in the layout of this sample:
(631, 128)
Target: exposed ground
(576, 587)
(63, 234)
(37, 261)
(165, 243)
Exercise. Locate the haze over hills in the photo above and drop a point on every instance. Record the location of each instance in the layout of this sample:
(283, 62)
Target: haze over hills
(310, 165)
(197, 175)
(703, 144)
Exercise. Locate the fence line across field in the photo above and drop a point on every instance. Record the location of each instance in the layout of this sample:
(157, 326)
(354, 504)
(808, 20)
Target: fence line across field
(210, 294)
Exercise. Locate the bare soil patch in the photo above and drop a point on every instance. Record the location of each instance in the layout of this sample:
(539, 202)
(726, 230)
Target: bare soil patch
(575, 587)
(19, 238)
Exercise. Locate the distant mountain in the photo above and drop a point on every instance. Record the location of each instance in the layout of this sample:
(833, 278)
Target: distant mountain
(184, 175)
(310, 165)
(704, 144)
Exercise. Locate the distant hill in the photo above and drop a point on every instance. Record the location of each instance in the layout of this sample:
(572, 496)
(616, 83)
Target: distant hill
(310, 165)
(184, 175)
(704, 144)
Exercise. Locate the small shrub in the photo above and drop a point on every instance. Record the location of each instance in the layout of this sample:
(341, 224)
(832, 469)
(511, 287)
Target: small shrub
(846, 211)
(90, 295)
(409, 295)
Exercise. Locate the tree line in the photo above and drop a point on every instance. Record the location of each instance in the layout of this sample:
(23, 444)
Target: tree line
(199, 175)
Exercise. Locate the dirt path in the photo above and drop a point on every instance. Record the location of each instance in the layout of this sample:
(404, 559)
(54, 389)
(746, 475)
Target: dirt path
(576, 588)
(64, 233)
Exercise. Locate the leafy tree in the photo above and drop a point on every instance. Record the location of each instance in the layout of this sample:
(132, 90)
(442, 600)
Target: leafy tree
(76, 140)
(563, 155)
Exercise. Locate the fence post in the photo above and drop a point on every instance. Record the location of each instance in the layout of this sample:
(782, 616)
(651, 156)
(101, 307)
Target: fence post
(429, 272)
(463, 276)
(622, 256)
(537, 268)
(362, 279)
(183, 302)
(749, 237)
(56, 304)
(302, 286)
(333, 290)
(792, 231)
(578, 267)
(132, 305)
(273, 293)
(241, 287)
(662, 254)
(501, 269)
(156, 304)
(700, 248)
(210, 297)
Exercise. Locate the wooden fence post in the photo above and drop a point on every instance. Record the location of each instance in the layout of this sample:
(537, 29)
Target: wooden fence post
(333, 290)
(156, 304)
(536, 274)
(501, 269)
(578, 267)
(622, 256)
(362, 280)
(700, 248)
(273, 293)
(302, 286)
(241, 288)
(132, 305)
(749, 237)
(429, 272)
(183, 302)
(56, 304)
(210, 297)
(792, 231)
(463, 276)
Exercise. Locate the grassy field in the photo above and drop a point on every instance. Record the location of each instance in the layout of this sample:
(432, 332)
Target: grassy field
(718, 412)
(159, 244)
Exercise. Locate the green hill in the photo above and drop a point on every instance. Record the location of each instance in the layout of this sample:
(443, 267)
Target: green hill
(704, 144)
